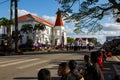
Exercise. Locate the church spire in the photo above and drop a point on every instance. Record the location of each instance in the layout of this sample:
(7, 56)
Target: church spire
(59, 21)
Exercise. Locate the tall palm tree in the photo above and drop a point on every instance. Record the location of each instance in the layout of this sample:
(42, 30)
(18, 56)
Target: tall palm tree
(5, 23)
(27, 28)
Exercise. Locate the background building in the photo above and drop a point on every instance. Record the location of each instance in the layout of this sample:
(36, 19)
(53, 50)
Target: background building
(110, 38)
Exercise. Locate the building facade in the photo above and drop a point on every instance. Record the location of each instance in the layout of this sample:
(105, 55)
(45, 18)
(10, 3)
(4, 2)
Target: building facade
(53, 34)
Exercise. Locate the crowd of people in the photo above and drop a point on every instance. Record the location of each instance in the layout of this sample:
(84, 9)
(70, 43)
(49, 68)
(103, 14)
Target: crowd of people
(112, 46)
(76, 46)
(92, 70)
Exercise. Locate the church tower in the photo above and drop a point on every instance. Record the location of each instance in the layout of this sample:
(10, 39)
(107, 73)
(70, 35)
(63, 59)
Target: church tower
(59, 31)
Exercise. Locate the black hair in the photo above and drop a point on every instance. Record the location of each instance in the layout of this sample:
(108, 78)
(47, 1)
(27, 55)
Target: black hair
(72, 64)
(63, 65)
(86, 57)
(44, 74)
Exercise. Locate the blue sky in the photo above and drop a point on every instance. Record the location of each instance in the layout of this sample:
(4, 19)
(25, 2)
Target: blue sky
(47, 9)
(40, 7)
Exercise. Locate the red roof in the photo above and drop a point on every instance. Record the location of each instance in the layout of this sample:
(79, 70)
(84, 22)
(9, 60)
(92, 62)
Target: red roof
(21, 18)
(59, 21)
(76, 39)
(84, 39)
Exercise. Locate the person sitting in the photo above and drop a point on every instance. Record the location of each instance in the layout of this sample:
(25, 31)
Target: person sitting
(44, 74)
(63, 70)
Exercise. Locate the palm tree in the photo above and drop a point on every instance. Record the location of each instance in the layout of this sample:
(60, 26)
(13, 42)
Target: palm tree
(40, 27)
(27, 28)
(6, 26)
(5, 23)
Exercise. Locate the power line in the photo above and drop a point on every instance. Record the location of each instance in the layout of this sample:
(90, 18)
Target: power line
(4, 2)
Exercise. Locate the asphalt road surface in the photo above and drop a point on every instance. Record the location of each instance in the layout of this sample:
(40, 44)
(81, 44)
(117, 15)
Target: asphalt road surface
(26, 67)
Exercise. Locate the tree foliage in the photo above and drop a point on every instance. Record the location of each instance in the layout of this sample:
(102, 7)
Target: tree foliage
(86, 14)
(93, 40)
(27, 28)
(39, 26)
(5, 23)
(70, 40)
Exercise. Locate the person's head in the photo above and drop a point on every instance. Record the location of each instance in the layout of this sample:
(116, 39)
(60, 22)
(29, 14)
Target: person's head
(72, 64)
(86, 58)
(63, 69)
(44, 74)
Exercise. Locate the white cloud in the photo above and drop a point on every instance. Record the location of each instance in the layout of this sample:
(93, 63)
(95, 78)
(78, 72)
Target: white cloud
(23, 12)
(111, 27)
(49, 18)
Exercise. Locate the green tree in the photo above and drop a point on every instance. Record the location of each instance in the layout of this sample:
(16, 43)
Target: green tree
(27, 28)
(93, 40)
(6, 26)
(88, 13)
(70, 40)
(5, 23)
(39, 27)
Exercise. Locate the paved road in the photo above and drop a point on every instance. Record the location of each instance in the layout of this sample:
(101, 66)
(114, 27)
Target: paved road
(26, 67)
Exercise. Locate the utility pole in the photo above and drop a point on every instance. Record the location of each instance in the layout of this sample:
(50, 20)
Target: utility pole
(11, 9)
(16, 25)
(10, 26)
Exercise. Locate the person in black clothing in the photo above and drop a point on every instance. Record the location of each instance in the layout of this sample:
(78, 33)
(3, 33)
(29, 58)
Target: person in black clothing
(63, 70)
(96, 73)
(88, 67)
(2, 45)
(74, 74)
(44, 74)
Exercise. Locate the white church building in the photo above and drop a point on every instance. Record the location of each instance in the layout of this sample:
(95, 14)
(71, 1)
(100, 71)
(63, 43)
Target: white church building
(53, 34)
